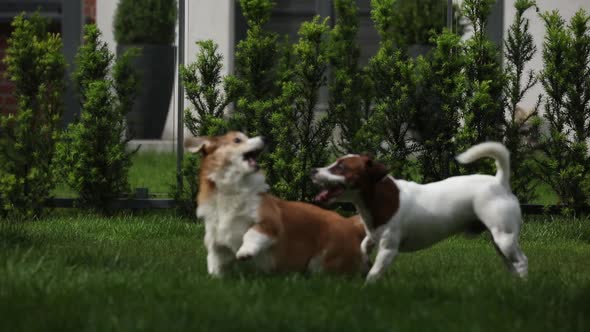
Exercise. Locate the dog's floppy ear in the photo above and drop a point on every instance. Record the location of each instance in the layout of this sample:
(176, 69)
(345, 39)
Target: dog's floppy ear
(375, 169)
(197, 144)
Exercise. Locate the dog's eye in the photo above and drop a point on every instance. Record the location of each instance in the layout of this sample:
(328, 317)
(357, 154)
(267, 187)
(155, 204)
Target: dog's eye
(339, 167)
(237, 140)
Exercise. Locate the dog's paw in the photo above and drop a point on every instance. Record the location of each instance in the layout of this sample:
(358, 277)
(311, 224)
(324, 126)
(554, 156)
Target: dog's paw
(371, 278)
(243, 255)
(215, 272)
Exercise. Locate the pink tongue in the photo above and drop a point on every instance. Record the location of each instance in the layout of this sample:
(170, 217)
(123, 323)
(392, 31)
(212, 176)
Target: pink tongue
(322, 196)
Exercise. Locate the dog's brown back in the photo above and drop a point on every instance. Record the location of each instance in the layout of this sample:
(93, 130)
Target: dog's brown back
(305, 232)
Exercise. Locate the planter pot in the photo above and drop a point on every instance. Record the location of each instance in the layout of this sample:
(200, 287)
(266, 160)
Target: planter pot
(155, 66)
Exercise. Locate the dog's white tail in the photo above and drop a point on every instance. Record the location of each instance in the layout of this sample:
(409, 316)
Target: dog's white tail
(493, 150)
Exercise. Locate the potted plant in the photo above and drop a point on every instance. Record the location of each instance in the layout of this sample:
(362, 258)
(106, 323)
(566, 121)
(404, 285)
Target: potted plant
(150, 26)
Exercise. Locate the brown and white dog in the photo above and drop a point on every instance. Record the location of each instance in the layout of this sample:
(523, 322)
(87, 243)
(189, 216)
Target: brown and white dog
(403, 216)
(244, 222)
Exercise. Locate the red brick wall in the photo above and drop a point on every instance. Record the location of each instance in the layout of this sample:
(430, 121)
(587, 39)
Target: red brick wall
(90, 11)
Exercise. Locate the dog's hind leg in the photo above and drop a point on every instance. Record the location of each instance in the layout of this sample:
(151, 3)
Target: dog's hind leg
(502, 217)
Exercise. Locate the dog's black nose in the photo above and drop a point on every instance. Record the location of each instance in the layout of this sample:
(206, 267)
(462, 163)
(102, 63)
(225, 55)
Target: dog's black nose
(264, 140)
(314, 171)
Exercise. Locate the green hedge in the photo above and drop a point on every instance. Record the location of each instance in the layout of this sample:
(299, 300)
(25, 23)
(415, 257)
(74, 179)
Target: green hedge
(35, 65)
(92, 151)
(414, 114)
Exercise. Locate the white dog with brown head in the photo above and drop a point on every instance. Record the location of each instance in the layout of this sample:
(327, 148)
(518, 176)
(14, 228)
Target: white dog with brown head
(244, 222)
(406, 216)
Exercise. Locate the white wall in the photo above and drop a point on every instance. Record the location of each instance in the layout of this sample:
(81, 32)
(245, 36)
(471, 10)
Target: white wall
(211, 19)
(567, 8)
(208, 19)
(105, 10)
(205, 19)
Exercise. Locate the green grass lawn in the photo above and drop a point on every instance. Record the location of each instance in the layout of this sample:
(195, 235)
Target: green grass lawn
(153, 170)
(75, 272)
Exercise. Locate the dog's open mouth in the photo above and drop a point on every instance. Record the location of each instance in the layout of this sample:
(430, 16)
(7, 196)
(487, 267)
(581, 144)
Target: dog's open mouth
(251, 158)
(330, 193)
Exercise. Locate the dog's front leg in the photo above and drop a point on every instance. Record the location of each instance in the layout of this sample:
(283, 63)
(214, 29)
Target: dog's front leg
(219, 258)
(388, 249)
(218, 261)
(253, 242)
(367, 245)
(366, 248)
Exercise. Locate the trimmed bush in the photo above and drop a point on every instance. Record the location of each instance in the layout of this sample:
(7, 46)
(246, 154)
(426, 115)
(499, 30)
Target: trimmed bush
(520, 129)
(416, 21)
(350, 92)
(36, 66)
(257, 81)
(484, 113)
(203, 87)
(303, 140)
(94, 161)
(202, 83)
(393, 78)
(565, 164)
(145, 21)
(415, 115)
(441, 97)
